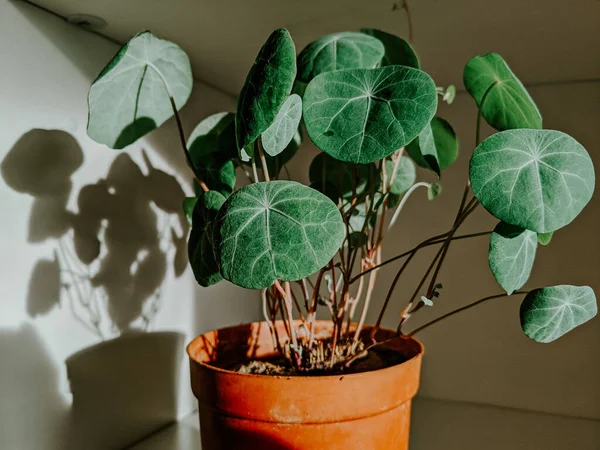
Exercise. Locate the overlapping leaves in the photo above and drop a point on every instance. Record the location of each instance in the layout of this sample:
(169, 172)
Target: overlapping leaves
(436, 147)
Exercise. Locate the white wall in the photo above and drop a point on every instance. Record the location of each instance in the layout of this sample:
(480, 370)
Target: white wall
(110, 399)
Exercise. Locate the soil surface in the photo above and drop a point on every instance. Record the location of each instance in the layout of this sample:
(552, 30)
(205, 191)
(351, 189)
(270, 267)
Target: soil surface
(376, 358)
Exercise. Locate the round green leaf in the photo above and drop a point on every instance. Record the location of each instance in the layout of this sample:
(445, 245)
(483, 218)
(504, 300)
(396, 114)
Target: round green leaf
(200, 245)
(281, 132)
(363, 115)
(548, 313)
(436, 147)
(340, 177)
(406, 175)
(544, 238)
(398, 52)
(348, 50)
(218, 176)
(213, 138)
(278, 230)
(267, 86)
(535, 179)
(504, 102)
(131, 96)
(511, 255)
(433, 191)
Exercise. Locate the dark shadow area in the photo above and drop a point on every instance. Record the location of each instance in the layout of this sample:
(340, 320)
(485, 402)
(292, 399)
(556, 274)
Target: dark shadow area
(114, 242)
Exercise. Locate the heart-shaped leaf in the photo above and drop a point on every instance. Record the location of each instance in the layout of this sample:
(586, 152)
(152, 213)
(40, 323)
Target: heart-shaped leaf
(281, 132)
(347, 50)
(511, 255)
(200, 245)
(535, 179)
(436, 147)
(267, 86)
(504, 102)
(363, 115)
(213, 139)
(405, 177)
(280, 230)
(131, 96)
(544, 238)
(548, 313)
(344, 179)
(398, 52)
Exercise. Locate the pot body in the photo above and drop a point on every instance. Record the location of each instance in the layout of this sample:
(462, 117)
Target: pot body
(369, 410)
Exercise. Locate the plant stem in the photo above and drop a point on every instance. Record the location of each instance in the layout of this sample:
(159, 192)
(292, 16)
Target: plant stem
(413, 188)
(363, 316)
(263, 160)
(409, 20)
(464, 308)
(254, 171)
(184, 146)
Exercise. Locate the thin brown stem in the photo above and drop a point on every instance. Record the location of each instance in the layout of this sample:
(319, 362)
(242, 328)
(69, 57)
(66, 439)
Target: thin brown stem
(263, 160)
(409, 21)
(464, 308)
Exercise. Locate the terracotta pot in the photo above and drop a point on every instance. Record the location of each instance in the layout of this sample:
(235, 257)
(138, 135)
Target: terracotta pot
(369, 410)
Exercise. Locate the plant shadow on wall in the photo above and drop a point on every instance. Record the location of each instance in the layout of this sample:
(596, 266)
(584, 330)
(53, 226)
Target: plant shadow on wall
(110, 259)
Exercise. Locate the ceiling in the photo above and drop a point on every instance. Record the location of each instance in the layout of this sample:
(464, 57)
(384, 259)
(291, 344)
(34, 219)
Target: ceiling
(542, 40)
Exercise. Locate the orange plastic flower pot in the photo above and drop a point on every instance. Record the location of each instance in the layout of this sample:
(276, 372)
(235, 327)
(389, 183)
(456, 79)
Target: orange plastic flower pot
(367, 411)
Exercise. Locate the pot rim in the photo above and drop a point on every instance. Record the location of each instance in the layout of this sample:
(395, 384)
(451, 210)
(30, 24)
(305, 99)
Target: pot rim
(304, 378)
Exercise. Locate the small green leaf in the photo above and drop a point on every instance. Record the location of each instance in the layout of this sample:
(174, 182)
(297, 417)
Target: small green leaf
(548, 313)
(535, 179)
(341, 176)
(213, 138)
(281, 132)
(267, 86)
(433, 191)
(188, 207)
(544, 238)
(449, 94)
(406, 175)
(357, 239)
(348, 50)
(280, 230)
(511, 255)
(130, 97)
(398, 52)
(436, 147)
(200, 245)
(426, 301)
(363, 115)
(504, 102)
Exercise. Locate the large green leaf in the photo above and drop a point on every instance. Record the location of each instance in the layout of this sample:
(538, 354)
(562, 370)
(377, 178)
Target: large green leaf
(511, 255)
(267, 86)
(281, 132)
(548, 313)
(213, 139)
(363, 115)
(344, 179)
(280, 230)
(131, 96)
(200, 245)
(436, 147)
(503, 100)
(398, 52)
(347, 50)
(536, 179)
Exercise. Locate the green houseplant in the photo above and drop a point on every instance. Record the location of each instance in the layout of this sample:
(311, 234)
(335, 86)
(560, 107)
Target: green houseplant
(362, 99)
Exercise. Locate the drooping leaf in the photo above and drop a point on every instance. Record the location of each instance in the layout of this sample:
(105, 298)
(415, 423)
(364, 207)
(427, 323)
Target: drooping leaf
(267, 86)
(342, 179)
(504, 102)
(213, 139)
(544, 238)
(436, 147)
(363, 115)
(280, 230)
(281, 132)
(550, 312)
(511, 255)
(535, 179)
(200, 245)
(347, 50)
(405, 177)
(398, 52)
(433, 191)
(131, 96)
(188, 207)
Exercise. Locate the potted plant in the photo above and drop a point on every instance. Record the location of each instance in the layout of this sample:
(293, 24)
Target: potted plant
(293, 381)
